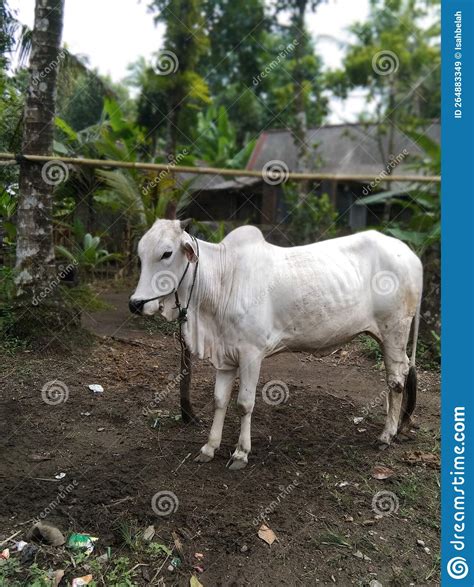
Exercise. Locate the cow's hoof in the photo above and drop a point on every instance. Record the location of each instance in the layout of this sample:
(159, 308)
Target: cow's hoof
(205, 455)
(238, 460)
(236, 464)
(385, 439)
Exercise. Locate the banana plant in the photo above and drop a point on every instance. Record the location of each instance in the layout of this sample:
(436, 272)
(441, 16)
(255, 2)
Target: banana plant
(90, 256)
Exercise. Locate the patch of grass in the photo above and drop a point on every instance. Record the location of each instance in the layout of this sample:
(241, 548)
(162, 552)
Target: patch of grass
(120, 574)
(428, 353)
(130, 535)
(11, 570)
(334, 538)
(371, 348)
(83, 297)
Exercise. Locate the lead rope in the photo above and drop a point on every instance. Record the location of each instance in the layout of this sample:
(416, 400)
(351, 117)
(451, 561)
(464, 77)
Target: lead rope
(183, 311)
(187, 412)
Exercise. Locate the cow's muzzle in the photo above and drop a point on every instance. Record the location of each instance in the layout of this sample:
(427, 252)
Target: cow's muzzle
(136, 306)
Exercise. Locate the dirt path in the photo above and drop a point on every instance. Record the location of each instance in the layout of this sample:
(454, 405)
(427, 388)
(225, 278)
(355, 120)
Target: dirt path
(309, 474)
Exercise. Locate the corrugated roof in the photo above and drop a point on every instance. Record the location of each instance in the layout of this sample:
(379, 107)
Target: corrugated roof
(200, 182)
(342, 149)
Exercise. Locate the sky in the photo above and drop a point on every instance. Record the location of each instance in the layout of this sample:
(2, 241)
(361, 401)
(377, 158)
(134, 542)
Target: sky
(114, 33)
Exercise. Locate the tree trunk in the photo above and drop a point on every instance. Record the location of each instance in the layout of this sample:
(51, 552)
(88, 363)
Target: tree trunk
(301, 125)
(36, 278)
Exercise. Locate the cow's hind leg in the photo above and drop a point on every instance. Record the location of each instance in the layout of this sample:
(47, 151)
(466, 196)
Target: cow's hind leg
(396, 365)
(249, 372)
(222, 393)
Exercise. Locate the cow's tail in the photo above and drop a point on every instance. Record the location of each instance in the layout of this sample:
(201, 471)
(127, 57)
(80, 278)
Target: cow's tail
(409, 391)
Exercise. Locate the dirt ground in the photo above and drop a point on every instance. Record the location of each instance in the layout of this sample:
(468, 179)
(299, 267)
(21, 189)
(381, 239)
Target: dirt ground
(309, 474)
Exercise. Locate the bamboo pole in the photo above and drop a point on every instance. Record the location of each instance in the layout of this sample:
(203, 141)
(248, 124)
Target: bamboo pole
(168, 167)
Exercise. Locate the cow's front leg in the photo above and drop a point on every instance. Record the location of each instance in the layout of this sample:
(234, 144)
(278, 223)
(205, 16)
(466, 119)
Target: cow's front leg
(222, 393)
(249, 373)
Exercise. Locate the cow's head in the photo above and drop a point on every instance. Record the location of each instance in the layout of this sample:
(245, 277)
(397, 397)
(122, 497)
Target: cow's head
(164, 251)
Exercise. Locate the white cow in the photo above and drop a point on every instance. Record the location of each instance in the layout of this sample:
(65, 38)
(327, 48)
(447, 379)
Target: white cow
(251, 300)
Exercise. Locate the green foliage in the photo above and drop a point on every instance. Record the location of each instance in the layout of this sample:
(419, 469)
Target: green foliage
(90, 256)
(8, 205)
(120, 574)
(311, 219)
(371, 348)
(174, 98)
(216, 141)
(209, 234)
(398, 27)
(235, 53)
(423, 229)
(11, 571)
(7, 296)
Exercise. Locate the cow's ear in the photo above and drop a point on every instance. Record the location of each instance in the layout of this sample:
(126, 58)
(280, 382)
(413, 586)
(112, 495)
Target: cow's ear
(189, 247)
(185, 224)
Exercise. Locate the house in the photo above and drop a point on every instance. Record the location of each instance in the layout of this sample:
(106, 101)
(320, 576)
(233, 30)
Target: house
(342, 149)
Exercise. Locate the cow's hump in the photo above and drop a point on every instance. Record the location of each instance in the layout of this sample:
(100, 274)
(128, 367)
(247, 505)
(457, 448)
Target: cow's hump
(244, 235)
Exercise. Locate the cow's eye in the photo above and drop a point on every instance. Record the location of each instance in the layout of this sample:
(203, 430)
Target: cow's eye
(167, 254)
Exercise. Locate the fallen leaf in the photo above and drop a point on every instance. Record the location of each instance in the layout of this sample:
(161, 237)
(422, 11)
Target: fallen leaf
(57, 576)
(38, 457)
(267, 534)
(416, 457)
(361, 555)
(380, 472)
(357, 419)
(79, 581)
(199, 568)
(195, 582)
(5, 554)
(178, 544)
(149, 533)
(199, 555)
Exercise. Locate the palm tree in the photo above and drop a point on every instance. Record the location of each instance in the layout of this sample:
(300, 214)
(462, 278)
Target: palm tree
(35, 261)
